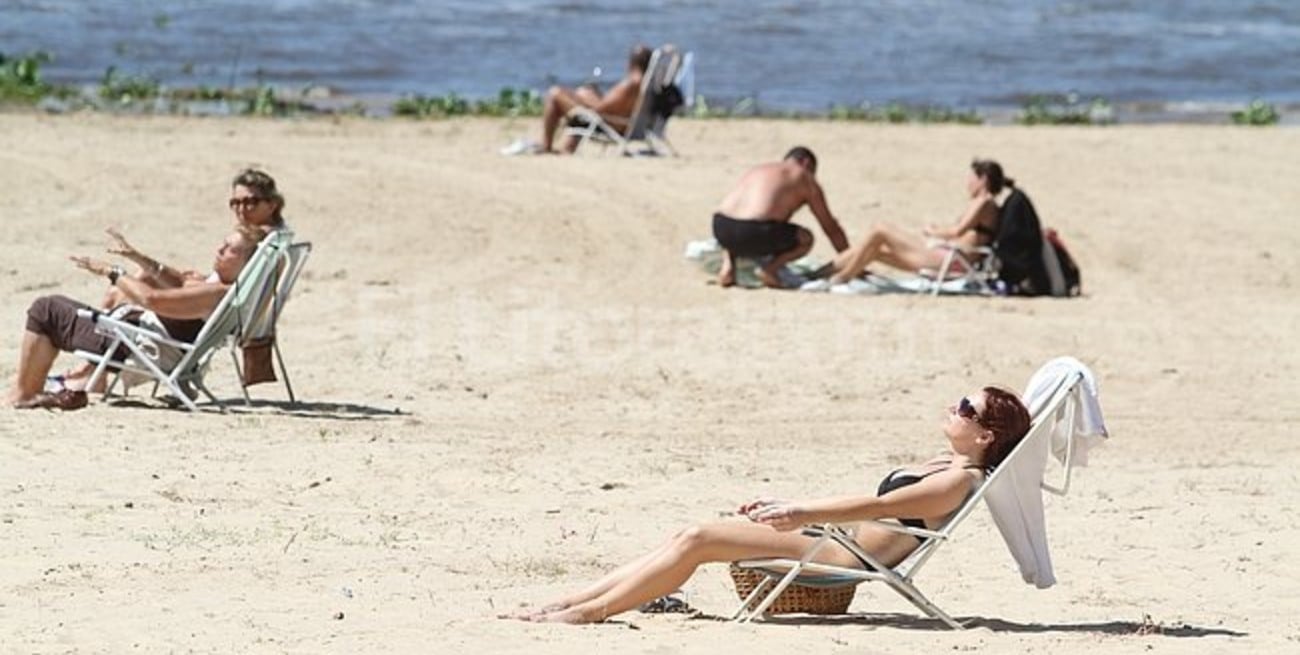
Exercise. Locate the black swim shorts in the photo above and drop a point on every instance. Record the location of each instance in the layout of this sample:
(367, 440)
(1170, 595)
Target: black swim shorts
(755, 238)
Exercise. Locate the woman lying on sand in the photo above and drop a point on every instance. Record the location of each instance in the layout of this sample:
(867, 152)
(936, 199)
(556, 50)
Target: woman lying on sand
(981, 429)
(904, 250)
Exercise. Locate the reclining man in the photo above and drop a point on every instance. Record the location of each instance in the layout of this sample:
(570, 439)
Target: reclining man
(615, 107)
(753, 221)
(53, 324)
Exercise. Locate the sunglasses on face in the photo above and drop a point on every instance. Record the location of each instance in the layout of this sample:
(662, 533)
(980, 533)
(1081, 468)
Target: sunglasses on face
(966, 409)
(245, 203)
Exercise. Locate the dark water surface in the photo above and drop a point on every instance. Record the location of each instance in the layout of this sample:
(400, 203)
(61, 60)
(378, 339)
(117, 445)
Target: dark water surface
(790, 54)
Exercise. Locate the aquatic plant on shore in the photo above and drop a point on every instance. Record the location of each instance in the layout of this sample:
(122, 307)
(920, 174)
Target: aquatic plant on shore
(20, 78)
(1258, 113)
(508, 102)
(893, 112)
(1068, 109)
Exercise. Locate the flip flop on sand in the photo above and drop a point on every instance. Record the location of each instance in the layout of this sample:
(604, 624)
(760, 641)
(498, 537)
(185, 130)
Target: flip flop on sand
(64, 399)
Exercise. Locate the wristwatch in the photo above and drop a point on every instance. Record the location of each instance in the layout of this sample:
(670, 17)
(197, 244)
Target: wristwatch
(114, 273)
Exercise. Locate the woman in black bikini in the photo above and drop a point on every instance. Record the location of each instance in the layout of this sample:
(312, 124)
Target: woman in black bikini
(981, 429)
(902, 249)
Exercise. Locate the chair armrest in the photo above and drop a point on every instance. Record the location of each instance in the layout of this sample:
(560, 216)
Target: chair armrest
(100, 319)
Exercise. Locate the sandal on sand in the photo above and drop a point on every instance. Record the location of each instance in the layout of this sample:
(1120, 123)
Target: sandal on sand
(672, 603)
(64, 399)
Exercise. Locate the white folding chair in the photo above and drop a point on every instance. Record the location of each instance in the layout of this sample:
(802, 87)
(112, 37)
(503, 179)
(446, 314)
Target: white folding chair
(782, 572)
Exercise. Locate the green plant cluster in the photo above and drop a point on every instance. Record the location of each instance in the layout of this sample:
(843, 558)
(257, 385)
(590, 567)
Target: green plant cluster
(20, 78)
(1257, 113)
(121, 89)
(509, 102)
(1065, 110)
(896, 112)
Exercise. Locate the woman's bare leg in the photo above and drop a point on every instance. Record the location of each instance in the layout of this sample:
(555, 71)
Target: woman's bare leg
(597, 588)
(669, 566)
(885, 243)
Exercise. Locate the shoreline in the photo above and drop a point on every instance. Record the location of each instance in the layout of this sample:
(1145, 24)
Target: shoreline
(323, 101)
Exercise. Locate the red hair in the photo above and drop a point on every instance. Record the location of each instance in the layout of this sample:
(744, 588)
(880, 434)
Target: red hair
(1006, 417)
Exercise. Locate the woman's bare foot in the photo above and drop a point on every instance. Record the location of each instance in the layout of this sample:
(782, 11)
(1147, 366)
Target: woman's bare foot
(769, 278)
(571, 616)
(533, 614)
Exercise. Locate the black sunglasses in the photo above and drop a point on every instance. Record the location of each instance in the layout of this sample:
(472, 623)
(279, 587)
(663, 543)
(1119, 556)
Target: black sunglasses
(247, 203)
(966, 409)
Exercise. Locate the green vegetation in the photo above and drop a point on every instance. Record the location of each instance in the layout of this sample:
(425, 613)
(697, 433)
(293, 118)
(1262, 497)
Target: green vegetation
(509, 102)
(1257, 113)
(894, 112)
(1065, 110)
(20, 78)
(127, 89)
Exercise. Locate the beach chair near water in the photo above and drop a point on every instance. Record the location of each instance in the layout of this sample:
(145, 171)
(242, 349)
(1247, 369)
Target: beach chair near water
(1055, 414)
(269, 271)
(649, 120)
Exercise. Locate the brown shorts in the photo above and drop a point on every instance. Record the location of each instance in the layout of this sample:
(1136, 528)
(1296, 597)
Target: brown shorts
(56, 318)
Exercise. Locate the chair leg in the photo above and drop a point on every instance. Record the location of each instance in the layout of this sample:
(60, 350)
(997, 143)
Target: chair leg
(284, 373)
(914, 596)
(741, 615)
(239, 375)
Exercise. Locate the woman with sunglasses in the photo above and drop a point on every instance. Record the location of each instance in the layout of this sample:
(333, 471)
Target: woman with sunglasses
(981, 429)
(257, 205)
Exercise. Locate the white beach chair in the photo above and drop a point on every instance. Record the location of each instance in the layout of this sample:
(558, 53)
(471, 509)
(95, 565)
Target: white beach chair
(265, 318)
(645, 124)
(1048, 426)
(237, 309)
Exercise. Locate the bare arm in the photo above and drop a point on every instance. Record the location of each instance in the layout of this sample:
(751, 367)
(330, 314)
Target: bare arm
(978, 209)
(620, 101)
(936, 495)
(195, 300)
(165, 276)
(830, 226)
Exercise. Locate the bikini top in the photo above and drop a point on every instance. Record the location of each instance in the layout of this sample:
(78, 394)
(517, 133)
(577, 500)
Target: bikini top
(897, 479)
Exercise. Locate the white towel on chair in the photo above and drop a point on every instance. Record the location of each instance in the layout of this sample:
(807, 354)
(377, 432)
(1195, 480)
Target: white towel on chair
(1016, 500)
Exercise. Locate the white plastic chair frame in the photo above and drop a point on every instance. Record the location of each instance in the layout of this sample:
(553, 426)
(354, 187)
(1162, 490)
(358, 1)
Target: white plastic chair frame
(900, 577)
(294, 260)
(980, 266)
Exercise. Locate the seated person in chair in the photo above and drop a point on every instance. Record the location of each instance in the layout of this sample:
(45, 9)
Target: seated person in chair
(754, 219)
(896, 247)
(981, 429)
(616, 106)
(53, 324)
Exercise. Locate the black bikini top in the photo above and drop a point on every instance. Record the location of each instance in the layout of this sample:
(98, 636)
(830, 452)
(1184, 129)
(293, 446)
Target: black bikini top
(897, 479)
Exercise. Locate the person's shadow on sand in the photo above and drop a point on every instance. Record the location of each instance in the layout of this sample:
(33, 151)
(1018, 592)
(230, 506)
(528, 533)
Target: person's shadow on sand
(1146, 627)
(338, 411)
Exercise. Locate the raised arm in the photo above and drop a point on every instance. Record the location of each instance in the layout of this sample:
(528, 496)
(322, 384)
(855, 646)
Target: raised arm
(830, 226)
(976, 211)
(936, 495)
(164, 275)
(195, 300)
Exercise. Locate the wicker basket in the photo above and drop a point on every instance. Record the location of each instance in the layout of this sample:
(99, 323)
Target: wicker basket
(797, 598)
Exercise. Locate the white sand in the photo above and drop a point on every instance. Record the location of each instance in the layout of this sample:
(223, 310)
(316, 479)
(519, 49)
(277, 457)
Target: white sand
(534, 323)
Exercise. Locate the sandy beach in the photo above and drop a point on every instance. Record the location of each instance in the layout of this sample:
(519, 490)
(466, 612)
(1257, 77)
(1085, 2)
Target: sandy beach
(512, 382)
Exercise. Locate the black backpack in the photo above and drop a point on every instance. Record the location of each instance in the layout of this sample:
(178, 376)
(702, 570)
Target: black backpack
(1062, 271)
(1019, 247)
